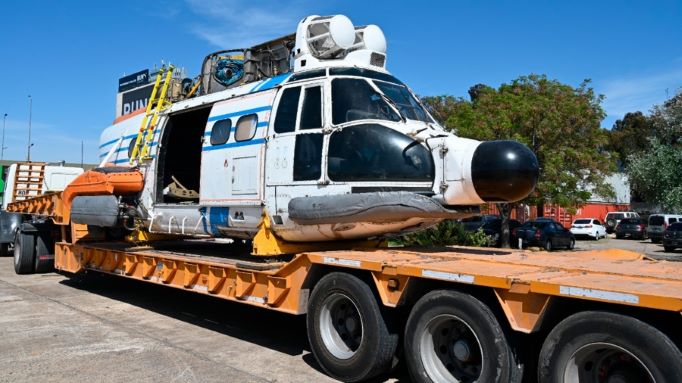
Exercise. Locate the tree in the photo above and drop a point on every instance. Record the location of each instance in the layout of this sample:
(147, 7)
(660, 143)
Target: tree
(630, 134)
(656, 174)
(560, 123)
(667, 120)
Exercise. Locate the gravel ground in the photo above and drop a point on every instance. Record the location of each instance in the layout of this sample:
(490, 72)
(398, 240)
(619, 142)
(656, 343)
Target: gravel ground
(653, 250)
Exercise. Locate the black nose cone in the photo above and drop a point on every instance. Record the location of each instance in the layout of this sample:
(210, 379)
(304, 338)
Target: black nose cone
(503, 171)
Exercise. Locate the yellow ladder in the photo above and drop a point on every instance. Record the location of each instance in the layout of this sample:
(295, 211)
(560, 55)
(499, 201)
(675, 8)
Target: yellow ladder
(158, 102)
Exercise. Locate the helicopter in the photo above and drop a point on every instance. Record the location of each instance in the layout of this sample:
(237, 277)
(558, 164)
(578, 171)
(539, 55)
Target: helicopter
(311, 133)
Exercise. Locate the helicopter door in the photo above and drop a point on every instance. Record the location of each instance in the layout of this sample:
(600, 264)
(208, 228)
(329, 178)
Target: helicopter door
(294, 160)
(233, 151)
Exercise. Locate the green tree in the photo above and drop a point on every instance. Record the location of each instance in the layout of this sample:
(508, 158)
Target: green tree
(629, 135)
(656, 174)
(560, 123)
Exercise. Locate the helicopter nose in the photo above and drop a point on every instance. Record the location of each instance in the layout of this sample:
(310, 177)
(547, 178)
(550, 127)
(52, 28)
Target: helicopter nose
(503, 171)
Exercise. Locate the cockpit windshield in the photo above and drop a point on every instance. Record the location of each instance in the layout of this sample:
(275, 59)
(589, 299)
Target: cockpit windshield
(355, 99)
(408, 106)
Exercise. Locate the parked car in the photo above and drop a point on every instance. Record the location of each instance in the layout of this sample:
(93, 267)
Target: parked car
(658, 223)
(588, 227)
(634, 228)
(545, 233)
(672, 237)
(613, 218)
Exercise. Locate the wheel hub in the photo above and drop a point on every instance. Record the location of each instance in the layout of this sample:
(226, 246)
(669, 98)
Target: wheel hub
(340, 326)
(606, 363)
(461, 350)
(450, 350)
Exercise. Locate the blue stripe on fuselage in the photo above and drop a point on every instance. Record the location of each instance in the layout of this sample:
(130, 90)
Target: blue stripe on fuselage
(256, 141)
(240, 113)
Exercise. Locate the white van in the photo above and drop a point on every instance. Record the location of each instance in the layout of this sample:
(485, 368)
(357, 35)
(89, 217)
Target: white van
(658, 223)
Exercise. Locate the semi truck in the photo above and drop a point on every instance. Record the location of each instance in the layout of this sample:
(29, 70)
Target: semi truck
(277, 176)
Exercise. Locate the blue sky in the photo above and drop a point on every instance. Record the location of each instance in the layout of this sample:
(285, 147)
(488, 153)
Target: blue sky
(68, 55)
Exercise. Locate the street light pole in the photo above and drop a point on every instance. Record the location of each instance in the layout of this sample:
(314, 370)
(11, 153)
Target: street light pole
(30, 112)
(2, 148)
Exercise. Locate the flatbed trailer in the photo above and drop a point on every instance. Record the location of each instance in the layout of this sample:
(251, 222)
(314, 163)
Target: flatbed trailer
(463, 314)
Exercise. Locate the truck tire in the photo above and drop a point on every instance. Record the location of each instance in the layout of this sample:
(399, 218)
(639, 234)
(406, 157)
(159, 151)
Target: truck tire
(595, 346)
(454, 337)
(346, 330)
(4, 249)
(44, 248)
(24, 253)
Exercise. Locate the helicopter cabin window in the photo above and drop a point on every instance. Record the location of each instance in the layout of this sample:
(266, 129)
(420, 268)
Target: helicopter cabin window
(220, 132)
(179, 154)
(311, 113)
(371, 152)
(285, 121)
(246, 127)
(308, 157)
(354, 99)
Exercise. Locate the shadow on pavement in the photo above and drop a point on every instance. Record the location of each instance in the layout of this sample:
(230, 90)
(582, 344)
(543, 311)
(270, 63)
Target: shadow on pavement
(270, 329)
(278, 331)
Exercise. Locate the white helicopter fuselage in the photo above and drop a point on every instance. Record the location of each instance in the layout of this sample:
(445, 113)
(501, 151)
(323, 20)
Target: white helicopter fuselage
(342, 150)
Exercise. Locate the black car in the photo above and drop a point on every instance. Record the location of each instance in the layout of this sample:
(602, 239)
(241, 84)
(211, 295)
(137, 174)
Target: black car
(672, 237)
(543, 232)
(491, 226)
(631, 227)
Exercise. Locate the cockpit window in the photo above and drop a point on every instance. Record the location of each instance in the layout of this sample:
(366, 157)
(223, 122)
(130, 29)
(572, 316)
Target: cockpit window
(355, 99)
(371, 152)
(361, 72)
(315, 73)
(285, 121)
(311, 111)
(404, 101)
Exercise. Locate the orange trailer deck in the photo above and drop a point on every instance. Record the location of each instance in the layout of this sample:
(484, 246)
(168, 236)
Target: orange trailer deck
(524, 281)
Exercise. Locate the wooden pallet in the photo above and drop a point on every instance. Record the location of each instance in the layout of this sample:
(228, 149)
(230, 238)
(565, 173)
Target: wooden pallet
(28, 180)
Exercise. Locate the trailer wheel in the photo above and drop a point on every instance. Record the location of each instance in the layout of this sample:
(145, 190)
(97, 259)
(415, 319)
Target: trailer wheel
(607, 347)
(346, 330)
(24, 253)
(454, 337)
(44, 262)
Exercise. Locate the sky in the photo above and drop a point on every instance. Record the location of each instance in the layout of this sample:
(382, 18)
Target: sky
(68, 55)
